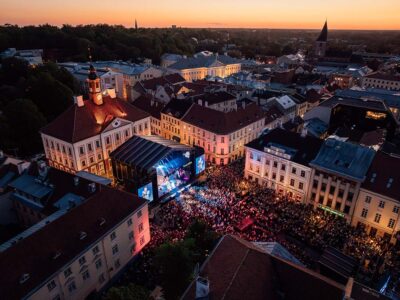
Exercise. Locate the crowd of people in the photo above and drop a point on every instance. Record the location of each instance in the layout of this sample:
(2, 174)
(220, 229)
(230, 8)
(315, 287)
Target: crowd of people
(230, 204)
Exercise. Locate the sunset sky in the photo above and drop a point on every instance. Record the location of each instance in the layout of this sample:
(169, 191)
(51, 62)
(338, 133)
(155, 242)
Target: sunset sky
(341, 14)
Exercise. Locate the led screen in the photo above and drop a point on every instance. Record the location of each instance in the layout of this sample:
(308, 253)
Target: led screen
(200, 164)
(146, 192)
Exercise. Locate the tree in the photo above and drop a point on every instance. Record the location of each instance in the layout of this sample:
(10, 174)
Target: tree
(174, 265)
(20, 125)
(129, 292)
(204, 238)
(51, 96)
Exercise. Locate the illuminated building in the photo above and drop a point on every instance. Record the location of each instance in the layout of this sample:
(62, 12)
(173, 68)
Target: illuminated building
(153, 107)
(321, 42)
(381, 81)
(162, 88)
(222, 135)
(280, 160)
(82, 137)
(339, 169)
(197, 68)
(378, 206)
(154, 168)
(75, 252)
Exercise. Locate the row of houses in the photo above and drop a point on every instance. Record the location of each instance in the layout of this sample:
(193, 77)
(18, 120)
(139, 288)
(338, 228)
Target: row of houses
(352, 181)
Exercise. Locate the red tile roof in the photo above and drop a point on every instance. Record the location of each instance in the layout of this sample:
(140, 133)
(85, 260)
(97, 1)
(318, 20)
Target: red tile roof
(237, 269)
(78, 123)
(150, 105)
(385, 167)
(223, 123)
(34, 255)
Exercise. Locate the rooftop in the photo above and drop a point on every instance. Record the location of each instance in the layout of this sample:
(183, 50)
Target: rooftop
(223, 123)
(237, 269)
(146, 151)
(383, 176)
(79, 123)
(344, 159)
(36, 254)
(304, 149)
(204, 62)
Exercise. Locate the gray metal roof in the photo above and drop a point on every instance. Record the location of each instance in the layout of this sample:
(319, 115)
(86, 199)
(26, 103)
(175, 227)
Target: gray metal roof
(146, 151)
(344, 159)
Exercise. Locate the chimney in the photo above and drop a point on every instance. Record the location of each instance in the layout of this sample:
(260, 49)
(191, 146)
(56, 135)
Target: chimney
(200, 102)
(78, 100)
(206, 103)
(202, 288)
(42, 168)
(76, 180)
(304, 132)
(243, 104)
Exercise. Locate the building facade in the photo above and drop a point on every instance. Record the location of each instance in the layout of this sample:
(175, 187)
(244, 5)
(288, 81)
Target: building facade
(378, 205)
(279, 159)
(338, 172)
(381, 81)
(77, 252)
(82, 137)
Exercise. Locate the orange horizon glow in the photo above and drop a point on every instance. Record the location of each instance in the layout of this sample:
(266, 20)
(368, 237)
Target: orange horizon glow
(273, 14)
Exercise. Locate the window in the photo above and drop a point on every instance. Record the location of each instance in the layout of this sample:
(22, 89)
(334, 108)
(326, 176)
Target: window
(381, 204)
(294, 170)
(396, 209)
(102, 278)
(90, 147)
(275, 164)
(71, 287)
(113, 236)
(292, 182)
(377, 218)
(141, 241)
(98, 263)
(273, 176)
(391, 223)
(115, 249)
(301, 185)
(341, 193)
(97, 144)
(82, 260)
(139, 213)
(95, 250)
(51, 285)
(332, 190)
(283, 167)
(67, 272)
(85, 275)
(364, 213)
(117, 136)
(367, 199)
(315, 183)
(140, 227)
(108, 140)
(303, 173)
(282, 178)
(81, 150)
(117, 264)
(83, 163)
(130, 236)
(350, 196)
(129, 222)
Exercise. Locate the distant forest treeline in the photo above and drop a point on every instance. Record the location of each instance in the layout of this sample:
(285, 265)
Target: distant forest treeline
(70, 43)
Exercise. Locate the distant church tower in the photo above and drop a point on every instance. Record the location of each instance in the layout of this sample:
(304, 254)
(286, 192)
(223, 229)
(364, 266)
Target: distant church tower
(136, 26)
(320, 43)
(94, 87)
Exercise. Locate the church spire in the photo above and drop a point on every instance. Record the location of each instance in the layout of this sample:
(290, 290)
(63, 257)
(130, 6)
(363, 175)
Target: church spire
(323, 36)
(136, 26)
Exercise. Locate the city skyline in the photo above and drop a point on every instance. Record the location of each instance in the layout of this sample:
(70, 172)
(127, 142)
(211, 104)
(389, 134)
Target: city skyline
(288, 14)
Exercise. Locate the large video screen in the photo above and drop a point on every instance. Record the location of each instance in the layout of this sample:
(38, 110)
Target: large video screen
(146, 192)
(173, 172)
(200, 164)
